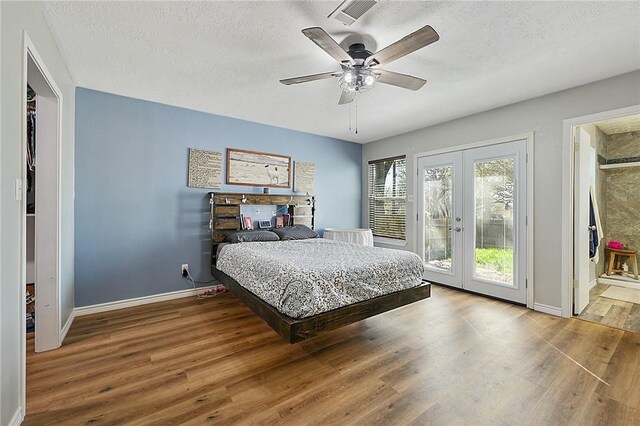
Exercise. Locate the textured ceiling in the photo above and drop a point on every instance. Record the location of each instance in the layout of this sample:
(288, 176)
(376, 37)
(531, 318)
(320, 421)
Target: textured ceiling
(630, 123)
(227, 57)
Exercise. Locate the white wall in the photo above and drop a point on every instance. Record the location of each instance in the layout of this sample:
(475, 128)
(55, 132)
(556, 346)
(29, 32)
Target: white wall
(543, 116)
(17, 17)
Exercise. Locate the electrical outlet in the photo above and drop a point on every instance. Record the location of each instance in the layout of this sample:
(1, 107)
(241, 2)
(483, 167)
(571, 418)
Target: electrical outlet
(185, 269)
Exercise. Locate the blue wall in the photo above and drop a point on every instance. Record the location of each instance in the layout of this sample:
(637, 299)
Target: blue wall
(136, 221)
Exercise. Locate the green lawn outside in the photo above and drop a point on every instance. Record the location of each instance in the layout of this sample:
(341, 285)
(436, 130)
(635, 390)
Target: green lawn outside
(500, 260)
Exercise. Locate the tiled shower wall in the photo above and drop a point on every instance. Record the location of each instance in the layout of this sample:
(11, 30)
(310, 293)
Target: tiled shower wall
(621, 217)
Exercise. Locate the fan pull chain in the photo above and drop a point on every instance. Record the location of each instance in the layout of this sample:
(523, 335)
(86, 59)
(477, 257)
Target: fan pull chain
(349, 117)
(356, 115)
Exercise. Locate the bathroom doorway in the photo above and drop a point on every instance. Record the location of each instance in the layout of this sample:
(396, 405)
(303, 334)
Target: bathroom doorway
(607, 221)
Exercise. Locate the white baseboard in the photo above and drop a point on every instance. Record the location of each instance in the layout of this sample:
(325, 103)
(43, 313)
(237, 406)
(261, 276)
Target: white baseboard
(593, 283)
(619, 283)
(137, 301)
(552, 310)
(67, 326)
(17, 418)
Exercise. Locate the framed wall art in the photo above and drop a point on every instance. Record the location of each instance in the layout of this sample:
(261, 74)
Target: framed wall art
(253, 168)
(305, 177)
(205, 169)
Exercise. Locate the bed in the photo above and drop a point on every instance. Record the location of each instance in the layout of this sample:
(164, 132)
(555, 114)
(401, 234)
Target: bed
(303, 287)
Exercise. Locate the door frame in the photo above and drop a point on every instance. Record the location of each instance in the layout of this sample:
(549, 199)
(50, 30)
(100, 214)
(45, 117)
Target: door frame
(568, 189)
(529, 137)
(29, 51)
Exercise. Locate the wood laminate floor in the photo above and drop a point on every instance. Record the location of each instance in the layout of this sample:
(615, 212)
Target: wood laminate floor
(612, 312)
(452, 359)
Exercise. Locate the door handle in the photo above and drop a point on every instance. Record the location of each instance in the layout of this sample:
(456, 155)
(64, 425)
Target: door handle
(457, 229)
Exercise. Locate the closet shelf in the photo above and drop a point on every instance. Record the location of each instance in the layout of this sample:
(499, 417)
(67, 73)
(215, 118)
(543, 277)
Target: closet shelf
(619, 165)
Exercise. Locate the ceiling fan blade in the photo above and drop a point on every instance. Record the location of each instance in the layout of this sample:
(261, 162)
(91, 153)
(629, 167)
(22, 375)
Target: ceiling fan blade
(306, 78)
(326, 43)
(401, 80)
(414, 41)
(346, 97)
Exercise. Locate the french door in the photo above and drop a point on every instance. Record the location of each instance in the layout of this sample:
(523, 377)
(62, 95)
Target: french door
(472, 219)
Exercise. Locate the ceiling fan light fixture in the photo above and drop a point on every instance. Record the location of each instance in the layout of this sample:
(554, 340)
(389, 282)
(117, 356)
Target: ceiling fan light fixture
(359, 66)
(357, 80)
(348, 77)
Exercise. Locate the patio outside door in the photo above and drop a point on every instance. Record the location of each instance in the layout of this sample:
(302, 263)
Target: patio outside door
(440, 201)
(472, 219)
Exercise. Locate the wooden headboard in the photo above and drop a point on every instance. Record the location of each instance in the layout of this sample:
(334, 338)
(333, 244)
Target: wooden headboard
(225, 212)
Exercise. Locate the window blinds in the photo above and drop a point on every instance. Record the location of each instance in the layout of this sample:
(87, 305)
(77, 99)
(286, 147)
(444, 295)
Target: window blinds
(387, 197)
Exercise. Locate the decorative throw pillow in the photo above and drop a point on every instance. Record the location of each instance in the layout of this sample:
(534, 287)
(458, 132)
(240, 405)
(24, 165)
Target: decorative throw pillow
(250, 236)
(295, 232)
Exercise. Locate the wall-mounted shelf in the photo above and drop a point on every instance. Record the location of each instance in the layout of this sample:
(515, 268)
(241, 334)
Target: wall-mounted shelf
(619, 165)
(225, 212)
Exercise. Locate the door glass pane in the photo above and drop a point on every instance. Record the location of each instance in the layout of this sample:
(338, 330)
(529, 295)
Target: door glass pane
(438, 185)
(494, 196)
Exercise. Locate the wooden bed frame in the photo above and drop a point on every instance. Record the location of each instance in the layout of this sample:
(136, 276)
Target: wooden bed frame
(225, 219)
(295, 330)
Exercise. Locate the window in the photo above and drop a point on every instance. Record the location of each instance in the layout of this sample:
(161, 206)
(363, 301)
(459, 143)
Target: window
(387, 197)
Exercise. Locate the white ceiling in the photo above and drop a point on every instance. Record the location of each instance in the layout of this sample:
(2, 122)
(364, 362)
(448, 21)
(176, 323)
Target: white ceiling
(226, 57)
(629, 123)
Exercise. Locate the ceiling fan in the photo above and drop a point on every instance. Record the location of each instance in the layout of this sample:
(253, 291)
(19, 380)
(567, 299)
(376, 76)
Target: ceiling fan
(360, 67)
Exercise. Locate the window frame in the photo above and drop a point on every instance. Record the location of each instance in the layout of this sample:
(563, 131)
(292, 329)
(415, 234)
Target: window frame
(400, 241)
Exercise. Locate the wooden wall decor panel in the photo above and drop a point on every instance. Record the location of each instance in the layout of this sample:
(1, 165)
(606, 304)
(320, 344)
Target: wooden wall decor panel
(223, 211)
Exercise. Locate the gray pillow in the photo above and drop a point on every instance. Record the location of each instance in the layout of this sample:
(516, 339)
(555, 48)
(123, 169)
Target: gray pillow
(250, 236)
(296, 232)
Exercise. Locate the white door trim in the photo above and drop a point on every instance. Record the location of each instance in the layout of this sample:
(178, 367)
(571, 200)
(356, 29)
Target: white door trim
(29, 50)
(529, 137)
(568, 183)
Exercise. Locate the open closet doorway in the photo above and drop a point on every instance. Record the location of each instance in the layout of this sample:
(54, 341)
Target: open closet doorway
(41, 206)
(607, 221)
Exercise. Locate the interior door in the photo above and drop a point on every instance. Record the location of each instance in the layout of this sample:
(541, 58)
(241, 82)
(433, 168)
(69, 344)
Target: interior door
(495, 221)
(440, 242)
(581, 220)
(472, 219)
(46, 227)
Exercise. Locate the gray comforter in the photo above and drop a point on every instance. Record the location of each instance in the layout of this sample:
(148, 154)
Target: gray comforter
(307, 277)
